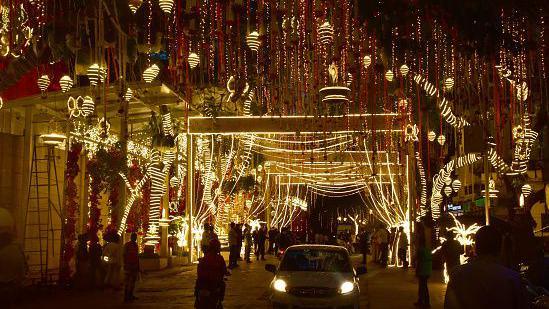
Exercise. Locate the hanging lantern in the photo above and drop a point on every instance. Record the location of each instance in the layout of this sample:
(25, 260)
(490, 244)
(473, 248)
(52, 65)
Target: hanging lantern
(174, 182)
(151, 73)
(389, 75)
(366, 61)
(441, 139)
(194, 60)
(326, 33)
(449, 83)
(66, 83)
(456, 185)
(93, 74)
(431, 136)
(54, 139)
(447, 191)
(88, 106)
(135, 5)
(43, 82)
(128, 95)
(166, 5)
(253, 41)
(349, 79)
(404, 70)
(526, 190)
(448, 181)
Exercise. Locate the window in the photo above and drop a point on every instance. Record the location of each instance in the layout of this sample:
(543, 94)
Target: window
(312, 259)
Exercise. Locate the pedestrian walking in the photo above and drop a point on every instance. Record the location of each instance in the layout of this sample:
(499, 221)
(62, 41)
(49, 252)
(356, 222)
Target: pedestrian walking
(112, 259)
(233, 246)
(423, 265)
(248, 242)
(403, 247)
(383, 238)
(450, 251)
(211, 270)
(364, 244)
(131, 267)
(273, 233)
(206, 237)
(261, 237)
(96, 265)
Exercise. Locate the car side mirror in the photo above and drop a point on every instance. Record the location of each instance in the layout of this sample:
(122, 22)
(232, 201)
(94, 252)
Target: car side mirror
(361, 270)
(270, 268)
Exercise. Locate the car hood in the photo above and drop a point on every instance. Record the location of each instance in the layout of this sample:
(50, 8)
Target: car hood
(314, 279)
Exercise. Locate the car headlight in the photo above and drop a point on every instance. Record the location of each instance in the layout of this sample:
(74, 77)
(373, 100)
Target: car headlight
(346, 287)
(279, 285)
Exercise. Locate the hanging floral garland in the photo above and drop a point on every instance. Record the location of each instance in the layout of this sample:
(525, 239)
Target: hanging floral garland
(70, 211)
(96, 187)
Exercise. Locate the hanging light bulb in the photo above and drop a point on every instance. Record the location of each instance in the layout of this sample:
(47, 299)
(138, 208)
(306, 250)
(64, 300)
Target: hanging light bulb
(93, 74)
(441, 139)
(449, 83)
(366, 61)
(166, 5)
(349, 79)
(135, 5)
(447, 191)
(431, 136)
(526, 190)
(150, 73)
(326, 33)
(456, 185)
(193, 60)
(128, 95)
(404, 70)
(43, 82)
(253, 41)
(88, 106)
(389, 75)
(66, 83)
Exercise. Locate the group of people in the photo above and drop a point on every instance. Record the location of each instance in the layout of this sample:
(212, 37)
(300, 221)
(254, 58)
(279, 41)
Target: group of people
(101, 266)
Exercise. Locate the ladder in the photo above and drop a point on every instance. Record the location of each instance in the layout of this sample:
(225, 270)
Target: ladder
(43, 217)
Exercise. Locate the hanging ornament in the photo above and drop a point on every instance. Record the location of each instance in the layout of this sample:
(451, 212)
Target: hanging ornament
(447, 191)
(94, 72)
(448, 181)
(366, 61)
(456, 185)
(253, 41)
(128, 95)
(404, 70)
(135, 5)
(526, 190)
(66, 83)
(518, 132)
(389, 75)
(431, 136)
(441, 139)
(522, 91)
(166, 5)
(151, 73)
(88, 106)
(325, 33)
(193, 60)
(448, 84)
(43, 82)
(411, 133)
(349, 79)
(1, 103)
(174, 182)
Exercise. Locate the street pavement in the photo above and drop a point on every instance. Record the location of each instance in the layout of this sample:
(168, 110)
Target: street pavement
(247, 287)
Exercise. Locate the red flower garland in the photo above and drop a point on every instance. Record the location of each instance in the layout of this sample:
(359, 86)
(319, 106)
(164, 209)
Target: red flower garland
(70, 212)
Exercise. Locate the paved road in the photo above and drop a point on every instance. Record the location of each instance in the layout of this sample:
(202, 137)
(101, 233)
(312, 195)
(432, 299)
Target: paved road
(246, 288)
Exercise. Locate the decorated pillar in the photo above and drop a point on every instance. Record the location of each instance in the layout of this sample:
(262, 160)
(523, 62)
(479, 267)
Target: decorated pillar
(190, 195)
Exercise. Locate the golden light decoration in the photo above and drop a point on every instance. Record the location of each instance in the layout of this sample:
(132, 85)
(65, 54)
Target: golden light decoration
(518, 132)
(1, 103)
(96, 74)
(74, 106)
(54, 139)
(366, 61)
(441, 139)
(522, 91)
(166, 5)
(151, 73)
(431, 136)
(404, 69)
(389, 75)
(88, 106)
(253, 41)
(135, 5)
(449, 83)
(526, 190)
(456, 185)
(447, 191)
(66, 83)
(193, 60)
(326, 33)
(411, 133)
(43, 82)
(128, 95)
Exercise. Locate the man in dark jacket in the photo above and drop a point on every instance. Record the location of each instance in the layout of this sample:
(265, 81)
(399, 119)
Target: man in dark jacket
(131, 267)
(210, 286)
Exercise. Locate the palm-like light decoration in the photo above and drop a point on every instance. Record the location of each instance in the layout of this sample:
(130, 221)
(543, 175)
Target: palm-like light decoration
(462, 233)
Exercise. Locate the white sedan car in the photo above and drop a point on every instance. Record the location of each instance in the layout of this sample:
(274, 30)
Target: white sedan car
(315, 276)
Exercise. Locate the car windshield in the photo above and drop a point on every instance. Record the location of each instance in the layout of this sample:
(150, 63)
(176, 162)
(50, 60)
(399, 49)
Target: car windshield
(312, 259)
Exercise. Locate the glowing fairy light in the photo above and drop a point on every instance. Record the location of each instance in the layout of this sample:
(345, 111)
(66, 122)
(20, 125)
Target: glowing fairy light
(54, 139)
(441, 140)
(66, 83)
(151, 73)
(411, 133)
(448, 84)
(88, 106)
(492, 191)
(366, 61)
(1, 103)
(448, 191)
(404, 69)
(135, 5)
(326, 33)
(43, 82)
(423, 182)
(456, 185)
(431, 136)
(193, 60)
(389, 75)
(522, 91)
(96, 74)
(526, 190)
(464, 234)
(253, 41)
(74, 105)
(166, 5)
(128, 95)
(156, 175)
